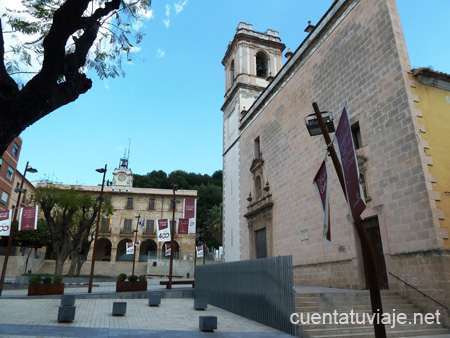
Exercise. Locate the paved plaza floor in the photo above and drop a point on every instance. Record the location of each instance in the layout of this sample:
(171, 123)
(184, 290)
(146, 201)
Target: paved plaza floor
(22, 316)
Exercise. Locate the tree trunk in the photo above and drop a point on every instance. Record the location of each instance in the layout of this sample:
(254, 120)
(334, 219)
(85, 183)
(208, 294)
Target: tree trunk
(59, 265)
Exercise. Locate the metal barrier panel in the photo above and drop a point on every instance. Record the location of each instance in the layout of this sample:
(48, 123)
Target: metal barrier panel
(260, 289)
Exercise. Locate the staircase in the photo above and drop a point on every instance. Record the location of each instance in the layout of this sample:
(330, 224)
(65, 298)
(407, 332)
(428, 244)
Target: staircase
(344, 302)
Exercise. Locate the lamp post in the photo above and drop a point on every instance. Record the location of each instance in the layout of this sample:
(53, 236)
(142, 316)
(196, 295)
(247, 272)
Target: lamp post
(11, 232)
(94, 251)
(172, 228)
(366, 246)
(135, 241)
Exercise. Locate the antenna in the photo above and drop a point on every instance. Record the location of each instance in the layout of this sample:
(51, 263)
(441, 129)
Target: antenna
(124, 160)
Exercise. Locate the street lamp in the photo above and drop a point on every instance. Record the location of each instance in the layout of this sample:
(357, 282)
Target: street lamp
(172, 230)
(11, 232)
(91, 276)
(135, 243)
(366, 246)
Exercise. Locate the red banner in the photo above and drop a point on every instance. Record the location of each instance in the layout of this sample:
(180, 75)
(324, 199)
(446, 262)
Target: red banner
(183, 226)
(189, 208)
(321, 184)
(28, 218)
(5, 222)
(168, 249)
(163, 231)
(130, 248)
(199, 250)
(349, 164)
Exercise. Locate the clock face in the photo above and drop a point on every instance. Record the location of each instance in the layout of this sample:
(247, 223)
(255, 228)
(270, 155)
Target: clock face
(121, 177)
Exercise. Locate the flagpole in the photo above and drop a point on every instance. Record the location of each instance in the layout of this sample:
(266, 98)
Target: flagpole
(366, 246)
(135, 243)
(11, 231)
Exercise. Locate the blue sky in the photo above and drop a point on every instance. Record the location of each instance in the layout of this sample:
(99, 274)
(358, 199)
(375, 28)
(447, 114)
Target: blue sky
(169, 102)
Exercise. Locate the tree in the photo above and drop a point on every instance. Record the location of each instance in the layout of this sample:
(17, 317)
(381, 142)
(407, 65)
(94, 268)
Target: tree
(70, 214)
(213, 231)
(68, 38)
(33, 239)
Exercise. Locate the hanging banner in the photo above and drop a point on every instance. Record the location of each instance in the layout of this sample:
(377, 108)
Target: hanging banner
(163, 230)
(5, 222)
(321, 184)
(349, 164)
(28, 218)
(199, 250)
(130, 248)
(168, 249)
(183, 226)
(189, 211)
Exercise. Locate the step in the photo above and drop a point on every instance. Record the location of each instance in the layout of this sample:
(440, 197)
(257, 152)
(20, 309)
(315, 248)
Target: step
(360, 308)
(369, 329)
(392, 334)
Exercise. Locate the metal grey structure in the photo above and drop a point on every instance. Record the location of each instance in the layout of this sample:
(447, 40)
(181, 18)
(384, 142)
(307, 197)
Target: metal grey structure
(260, 289)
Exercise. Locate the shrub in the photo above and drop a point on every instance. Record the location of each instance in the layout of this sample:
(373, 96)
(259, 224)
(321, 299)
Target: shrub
(142, 278)
(47, 280)
(57, 279)
(133, 278)
(35, 279)
(122, 277)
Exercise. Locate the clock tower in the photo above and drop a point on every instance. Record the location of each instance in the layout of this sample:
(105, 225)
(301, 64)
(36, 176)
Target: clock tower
(122, 177)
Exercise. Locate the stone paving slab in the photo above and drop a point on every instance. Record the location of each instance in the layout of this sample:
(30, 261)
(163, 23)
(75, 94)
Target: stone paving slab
(93, 318)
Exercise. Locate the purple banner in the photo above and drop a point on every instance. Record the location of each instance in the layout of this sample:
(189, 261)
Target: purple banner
(321, 184)
(346, 150)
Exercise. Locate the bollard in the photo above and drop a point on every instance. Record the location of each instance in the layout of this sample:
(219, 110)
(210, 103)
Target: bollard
(66, 313)
(119, 308)
(68, 300)
(207, 323)
(154, 299)
(200, 303)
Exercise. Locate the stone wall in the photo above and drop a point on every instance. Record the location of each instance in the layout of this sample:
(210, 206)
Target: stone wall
(16, 264)
(340, 274)
(429, 272)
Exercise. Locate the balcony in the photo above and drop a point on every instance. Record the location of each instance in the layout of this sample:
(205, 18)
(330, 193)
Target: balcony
(149, 233)
(104, 231)
(125, 232)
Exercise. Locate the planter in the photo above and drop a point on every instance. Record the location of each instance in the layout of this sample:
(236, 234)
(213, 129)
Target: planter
(128, 286)
(45, 289)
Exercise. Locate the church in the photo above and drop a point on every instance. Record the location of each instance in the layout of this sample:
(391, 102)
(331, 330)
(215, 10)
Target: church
(355, 55)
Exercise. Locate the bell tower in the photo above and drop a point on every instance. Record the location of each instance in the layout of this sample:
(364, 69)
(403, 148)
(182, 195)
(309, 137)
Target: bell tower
(251, 61)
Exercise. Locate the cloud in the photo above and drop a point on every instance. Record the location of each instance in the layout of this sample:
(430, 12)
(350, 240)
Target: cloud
(166, 22)
(160, 53)
(167, 10)
(180, 5)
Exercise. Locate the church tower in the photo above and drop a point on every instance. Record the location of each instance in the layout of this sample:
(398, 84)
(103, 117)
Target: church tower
(251, 62)
(122, 177)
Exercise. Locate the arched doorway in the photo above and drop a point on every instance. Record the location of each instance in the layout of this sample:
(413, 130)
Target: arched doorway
(103, 252)
(122, 251)
(148, 250)
(176, 252)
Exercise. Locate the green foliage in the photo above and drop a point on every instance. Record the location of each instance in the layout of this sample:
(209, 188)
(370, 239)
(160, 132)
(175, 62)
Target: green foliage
(47, 280)
(142, 278)
(36, 279)
(120, 32)
(57, 279)
(133, 278)
(34, 239)
(122, 277)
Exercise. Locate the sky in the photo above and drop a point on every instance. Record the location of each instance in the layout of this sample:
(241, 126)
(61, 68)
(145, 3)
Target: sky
(166, 112)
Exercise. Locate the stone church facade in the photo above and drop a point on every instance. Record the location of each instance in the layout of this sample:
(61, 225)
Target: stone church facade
(356, 54)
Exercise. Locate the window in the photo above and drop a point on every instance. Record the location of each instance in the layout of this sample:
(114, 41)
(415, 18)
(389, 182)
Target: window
(258, 187)
(108, 200)
(257, 148)
(151, 204)
(175, 230)
(150, 226)
(10, 173)
(129, 203)
(172, 203)
(127, 224)
(4, 198)
(105, 223)
(261, 64)
(232, 72)
(356, 135)
(15, 150)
